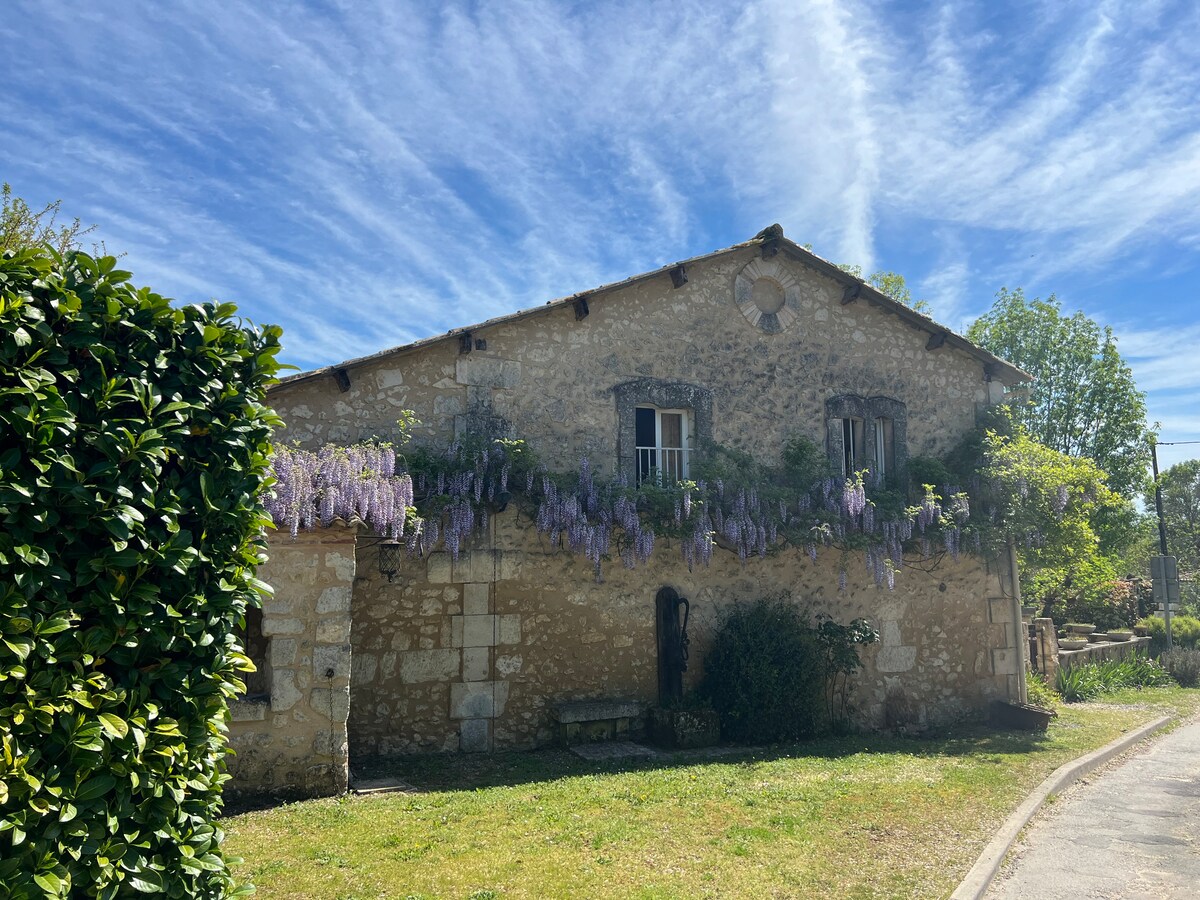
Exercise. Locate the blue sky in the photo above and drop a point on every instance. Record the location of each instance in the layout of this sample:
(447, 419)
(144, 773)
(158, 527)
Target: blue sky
(368, 173)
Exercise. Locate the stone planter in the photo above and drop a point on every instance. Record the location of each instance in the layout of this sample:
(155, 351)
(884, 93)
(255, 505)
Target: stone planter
(1076, 643)
(1120, 636)
(681, 729)
(1076, 628)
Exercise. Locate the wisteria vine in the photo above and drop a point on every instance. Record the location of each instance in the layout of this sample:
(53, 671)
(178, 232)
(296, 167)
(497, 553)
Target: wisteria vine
(441, 499)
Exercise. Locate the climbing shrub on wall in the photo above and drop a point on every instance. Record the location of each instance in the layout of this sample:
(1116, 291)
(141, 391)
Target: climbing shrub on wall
(735, 503)
(773, 676)
(133, 450)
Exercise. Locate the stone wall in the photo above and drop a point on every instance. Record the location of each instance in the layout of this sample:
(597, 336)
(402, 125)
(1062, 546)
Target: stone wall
(472, 654)
(295, 743)
(551, 378)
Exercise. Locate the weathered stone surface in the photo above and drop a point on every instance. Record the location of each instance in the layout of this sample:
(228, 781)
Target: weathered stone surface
(248, 710)
(334, 599)
(283, 652)
(276, 750)
(480, 631)
(333, 629)
(284, 693)
(335, 658)
(1000, 610)
(272, 626)
(510, 629)
(475, 664)
(417, 666)
(476, 735)
(895, 659)
(596, 710)
(478, 699)
(438, 568)
(475, 369)
(1004, 662)
(476, 599)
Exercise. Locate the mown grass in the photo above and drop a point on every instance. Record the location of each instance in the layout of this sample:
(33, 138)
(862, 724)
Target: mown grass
(863, 816)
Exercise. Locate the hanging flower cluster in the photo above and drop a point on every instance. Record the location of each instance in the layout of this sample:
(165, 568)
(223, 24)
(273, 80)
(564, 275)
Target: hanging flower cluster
(457, 491)
(357, 482)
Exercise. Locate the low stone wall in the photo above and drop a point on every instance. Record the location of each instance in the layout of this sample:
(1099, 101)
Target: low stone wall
(1094, 653)
(295, 742)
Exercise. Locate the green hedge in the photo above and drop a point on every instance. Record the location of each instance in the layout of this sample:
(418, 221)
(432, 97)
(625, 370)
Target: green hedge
(133, 448)
(1185, 632)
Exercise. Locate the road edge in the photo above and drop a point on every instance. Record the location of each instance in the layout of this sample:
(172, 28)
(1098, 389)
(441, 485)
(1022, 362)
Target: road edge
(979, 878)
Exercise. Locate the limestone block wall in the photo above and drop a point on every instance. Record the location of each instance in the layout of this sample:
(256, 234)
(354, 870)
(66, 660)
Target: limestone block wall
(472, 654)
(296, 742)
(550, 377)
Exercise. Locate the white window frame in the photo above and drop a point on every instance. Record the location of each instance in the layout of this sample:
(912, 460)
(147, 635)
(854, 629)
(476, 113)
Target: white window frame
(853, 434)
(658, 450)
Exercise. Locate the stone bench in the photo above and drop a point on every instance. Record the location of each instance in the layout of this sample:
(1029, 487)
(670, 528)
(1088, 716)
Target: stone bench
(582, 721)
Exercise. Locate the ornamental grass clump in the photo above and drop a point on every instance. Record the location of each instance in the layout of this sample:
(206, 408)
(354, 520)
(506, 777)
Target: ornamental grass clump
(133, 454)
(1086, 682)
(1184, 666)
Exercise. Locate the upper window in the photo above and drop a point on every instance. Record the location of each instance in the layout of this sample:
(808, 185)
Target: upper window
(662, 442)
(866, 434)
(661, 427)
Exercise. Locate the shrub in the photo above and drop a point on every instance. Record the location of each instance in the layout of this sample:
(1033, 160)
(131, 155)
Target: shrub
(1040, 693)
(1185, 632)
(133, 447)
(1184, 666)
(772, 676)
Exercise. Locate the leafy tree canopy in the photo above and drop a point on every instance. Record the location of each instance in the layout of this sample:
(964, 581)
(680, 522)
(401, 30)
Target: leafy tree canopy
(891, 283)
(1181, 511)
(22, 228)
(1084, 401)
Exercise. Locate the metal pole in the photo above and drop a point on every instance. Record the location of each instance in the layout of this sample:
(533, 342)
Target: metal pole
(1158, 504)
(1162, 541)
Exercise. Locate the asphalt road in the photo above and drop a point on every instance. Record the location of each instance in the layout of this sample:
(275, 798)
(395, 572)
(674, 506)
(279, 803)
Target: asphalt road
(1131, 830)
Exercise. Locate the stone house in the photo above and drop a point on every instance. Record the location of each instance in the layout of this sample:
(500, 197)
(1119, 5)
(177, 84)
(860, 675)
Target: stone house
(744, 347)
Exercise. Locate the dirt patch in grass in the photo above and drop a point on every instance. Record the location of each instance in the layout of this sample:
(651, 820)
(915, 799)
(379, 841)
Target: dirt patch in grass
(859, 816)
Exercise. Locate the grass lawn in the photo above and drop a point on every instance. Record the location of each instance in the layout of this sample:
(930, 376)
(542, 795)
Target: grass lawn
(860, 816)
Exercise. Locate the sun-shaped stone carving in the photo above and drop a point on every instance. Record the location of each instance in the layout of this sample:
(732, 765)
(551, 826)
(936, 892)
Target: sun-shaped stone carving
(767, 294)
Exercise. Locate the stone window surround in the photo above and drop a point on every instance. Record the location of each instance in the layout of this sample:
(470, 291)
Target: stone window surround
(662, 395)
(852, 406)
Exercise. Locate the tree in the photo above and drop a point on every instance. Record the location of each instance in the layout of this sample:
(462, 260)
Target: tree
(1055, 506)
(22, 228)
(1084, 401)
(1181, 512)
(892, 284)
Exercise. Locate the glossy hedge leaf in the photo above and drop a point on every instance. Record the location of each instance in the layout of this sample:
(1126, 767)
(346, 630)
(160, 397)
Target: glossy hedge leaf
(133, 450)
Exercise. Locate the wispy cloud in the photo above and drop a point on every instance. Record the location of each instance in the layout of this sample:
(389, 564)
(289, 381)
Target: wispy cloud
(373, 172)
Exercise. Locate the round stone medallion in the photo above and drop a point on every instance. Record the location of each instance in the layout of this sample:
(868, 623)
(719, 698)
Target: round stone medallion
(767, 295)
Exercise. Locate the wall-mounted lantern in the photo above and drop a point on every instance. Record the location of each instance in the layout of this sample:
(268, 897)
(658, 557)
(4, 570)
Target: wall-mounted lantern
(389, 558)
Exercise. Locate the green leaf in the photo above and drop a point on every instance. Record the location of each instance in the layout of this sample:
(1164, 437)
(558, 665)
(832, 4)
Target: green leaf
(114, 726)
(146, 881)
(94, 787)
(49, 882)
